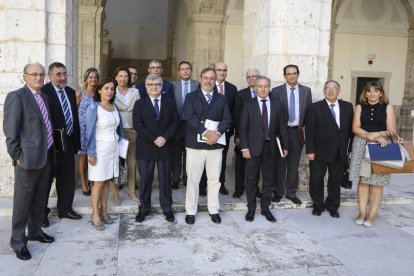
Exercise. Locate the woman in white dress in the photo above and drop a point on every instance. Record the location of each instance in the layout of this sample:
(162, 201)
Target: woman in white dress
(104, 130)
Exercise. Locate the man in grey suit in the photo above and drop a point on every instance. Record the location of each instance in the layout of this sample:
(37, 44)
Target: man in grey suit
(29, 140)
(295, 99)
(182, 87)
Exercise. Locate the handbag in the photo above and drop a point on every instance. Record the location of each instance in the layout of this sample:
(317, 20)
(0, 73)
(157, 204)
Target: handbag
(302, 139)
(391, 156)
(408, 149)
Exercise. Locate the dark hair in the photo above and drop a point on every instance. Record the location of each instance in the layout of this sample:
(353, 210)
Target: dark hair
(205, 70)
(87, 73)
(333, 81)
(99, 86)
(184, 62)
(290, 66)
(55, 65)
(377, 86)
(122, 68)
(133, 66)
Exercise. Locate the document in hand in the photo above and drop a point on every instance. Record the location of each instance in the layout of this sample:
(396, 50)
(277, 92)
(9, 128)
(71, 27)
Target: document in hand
(279, 145)
(212, 125)
(123, 147)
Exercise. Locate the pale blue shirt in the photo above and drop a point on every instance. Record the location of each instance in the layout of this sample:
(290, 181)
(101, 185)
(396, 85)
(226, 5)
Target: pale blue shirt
(297, 114)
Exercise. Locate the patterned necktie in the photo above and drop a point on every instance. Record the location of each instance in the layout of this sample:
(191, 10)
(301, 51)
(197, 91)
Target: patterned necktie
(221, 91)
(265, 119)
(333, 111)
(157, 108)
(208, 98)
(66, 112)
(185, 90)
(292, 113)
(46, 120)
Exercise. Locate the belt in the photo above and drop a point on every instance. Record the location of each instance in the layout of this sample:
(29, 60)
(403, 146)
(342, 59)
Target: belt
(293, 127)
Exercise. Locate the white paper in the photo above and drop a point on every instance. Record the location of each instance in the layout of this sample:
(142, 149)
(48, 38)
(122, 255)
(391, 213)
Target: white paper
(212, 125)
(280, 147)
(123, 148)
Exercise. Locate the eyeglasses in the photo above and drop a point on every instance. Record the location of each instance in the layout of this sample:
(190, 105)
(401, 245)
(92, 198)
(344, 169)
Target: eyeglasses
(155, 67)
(221, 70)
(329, 89)
(153, 84)
(292, 74)
(252, 77)
(35, 75)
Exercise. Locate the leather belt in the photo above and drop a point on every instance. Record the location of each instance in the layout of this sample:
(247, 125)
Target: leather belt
(293, 127)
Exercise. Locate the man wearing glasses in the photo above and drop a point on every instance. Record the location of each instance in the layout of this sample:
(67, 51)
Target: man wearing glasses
(155, 67)
(29, 140)
(65, 123)
(295, 99)
(134, 76)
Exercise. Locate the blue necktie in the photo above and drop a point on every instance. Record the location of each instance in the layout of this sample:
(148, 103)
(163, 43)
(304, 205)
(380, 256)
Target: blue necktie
(157, 108)
(185, 90)
(333, 111)
(292, 113)
(254, 94)
(66, 112)
(208, 98)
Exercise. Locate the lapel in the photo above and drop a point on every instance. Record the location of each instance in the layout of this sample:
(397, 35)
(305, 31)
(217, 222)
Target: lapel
(179, 93)
(151, 109)
(256, 107)
(341, 113)
(284, 97)
(163, 107)
(194, 85)
(56, 102)
(301, 104)
(203, 99)
(273, 112)
(327, 112)
(33, 103)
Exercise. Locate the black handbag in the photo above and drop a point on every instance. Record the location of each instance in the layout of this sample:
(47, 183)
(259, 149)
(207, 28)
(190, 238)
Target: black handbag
(345, 182)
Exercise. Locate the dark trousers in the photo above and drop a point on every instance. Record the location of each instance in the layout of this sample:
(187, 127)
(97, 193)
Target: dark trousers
(253, 165)
(146, 170)
(239, 171)
(316, 185)
(286, 173)
(64, 172)
(203, 181)
(30, 193)
(179, 156)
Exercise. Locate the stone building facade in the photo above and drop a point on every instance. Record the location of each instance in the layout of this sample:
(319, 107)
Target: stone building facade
(347, 40)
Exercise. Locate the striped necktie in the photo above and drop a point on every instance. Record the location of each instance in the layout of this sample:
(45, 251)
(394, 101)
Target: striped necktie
(66, 112)
(208, 98)
(46, 120)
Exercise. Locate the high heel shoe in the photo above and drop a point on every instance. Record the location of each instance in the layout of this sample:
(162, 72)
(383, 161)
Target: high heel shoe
(99, 227)
(116, 200)
(88, 192)
(132, 196)
(359, 221)
(369, 224)
(109, 220)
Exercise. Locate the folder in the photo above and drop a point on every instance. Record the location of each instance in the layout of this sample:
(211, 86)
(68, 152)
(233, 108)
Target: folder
(391, 152)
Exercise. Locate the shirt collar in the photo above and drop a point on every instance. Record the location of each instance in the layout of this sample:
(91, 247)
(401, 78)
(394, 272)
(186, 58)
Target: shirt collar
(329, 103)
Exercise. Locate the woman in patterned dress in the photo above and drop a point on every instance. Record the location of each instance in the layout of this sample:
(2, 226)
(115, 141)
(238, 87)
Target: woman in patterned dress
(374, 120)
(84, 98)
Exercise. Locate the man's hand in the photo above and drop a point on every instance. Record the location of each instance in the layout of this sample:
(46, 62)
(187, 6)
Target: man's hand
(92, 160)
(246, 154)
(212, 136)
(310, 156)
(237, 142)
(160, 141)
(285, 153)
(17, 162)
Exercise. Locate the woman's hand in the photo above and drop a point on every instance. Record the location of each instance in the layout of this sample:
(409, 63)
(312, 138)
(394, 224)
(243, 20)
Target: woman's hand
(372, 136)
(92, 160)
(382, 141)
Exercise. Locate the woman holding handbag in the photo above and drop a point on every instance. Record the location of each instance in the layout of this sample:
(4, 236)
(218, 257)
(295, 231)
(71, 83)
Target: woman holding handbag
(374, 121)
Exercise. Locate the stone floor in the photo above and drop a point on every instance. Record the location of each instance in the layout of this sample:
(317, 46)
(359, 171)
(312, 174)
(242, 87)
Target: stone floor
(297, 244)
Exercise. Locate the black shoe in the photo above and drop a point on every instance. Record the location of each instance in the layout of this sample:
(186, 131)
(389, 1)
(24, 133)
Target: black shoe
(202, 193)
(258, 194)
(249, 216)
(237, 194)
(23, 253)
(70, 215)
(169, 216)
(88, 192)
(215, 218)
(184, 181)
(44, 238)
(295, 200)
(223, 190)
(316, 212)
(276, 198)
(189, 219)
(120, 187)
(174, 185)
(140, 216)
(268, 215)
(45, 222)
(334, 213)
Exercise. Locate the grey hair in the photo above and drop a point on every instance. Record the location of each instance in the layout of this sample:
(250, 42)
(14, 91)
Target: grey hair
(253, 70)
(30, 64)
(153, 77)
(263, 78)
(333, 81)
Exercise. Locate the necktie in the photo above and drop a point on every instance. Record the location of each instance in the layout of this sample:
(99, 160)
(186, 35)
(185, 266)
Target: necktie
(292, 112)
(254, 93)
(333, 111)
(221, 91)
(208, 98)
(66, 112)
(185, 90)
(157, 108)
(46, 120)
(265, 120)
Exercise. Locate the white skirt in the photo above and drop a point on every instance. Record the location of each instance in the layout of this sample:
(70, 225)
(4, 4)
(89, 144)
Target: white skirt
(107, 161)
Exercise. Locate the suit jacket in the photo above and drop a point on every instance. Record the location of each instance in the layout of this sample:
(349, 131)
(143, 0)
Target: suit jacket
(167, 88)
(148, 128)
(323, 137)
(252, 128)
(305, 99)
(179, 93)
(197, 110)
(230, 91)
(242, 97)
(58, 118)
(25, 129)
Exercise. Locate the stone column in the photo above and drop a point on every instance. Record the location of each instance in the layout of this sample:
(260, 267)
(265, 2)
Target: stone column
(280, 32)
(405, 122)
(90, 36)
(31, 31)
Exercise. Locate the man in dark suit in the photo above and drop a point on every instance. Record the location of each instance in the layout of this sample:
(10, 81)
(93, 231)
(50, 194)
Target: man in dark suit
(155, 121)
(295, 99)
(182, 87)
(64, 112)
(134, 76)
(328, 140)
(243, 96)
(29, 140)
(261, 123)
(229, 90)
(204, 108)
(155, 67)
